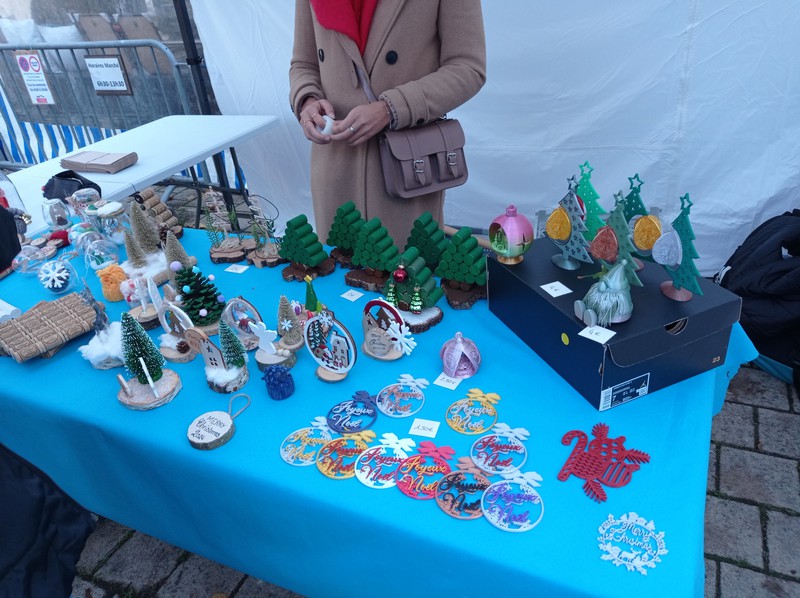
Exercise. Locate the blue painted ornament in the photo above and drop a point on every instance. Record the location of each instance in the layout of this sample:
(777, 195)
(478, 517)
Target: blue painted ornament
(279, 381)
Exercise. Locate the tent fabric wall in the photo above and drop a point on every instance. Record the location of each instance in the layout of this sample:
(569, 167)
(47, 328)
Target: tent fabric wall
(696, 97)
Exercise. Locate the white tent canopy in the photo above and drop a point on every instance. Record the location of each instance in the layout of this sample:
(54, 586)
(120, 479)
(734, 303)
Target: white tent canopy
(695, 97)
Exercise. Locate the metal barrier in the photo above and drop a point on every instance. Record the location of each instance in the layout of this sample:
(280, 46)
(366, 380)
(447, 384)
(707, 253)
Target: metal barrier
(33, 132)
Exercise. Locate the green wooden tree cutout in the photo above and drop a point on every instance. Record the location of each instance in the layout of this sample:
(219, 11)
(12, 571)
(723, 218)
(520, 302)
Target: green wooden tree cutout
(429, 239)
(300, 243)
(586, 192)
(137, 343)
(344, 229)
(686, 275)
(463, 260)
(634, 206)
(375, 249)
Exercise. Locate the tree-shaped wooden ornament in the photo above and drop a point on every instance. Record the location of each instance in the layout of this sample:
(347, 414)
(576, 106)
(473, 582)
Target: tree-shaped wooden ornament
(344, 233)
(564, 227)
(429, 239)
(587, 194)
(305, 253)
(416, 290)
(152, 385)
(221, 376)
(645, 226)
(199, 298)
(375, 254)
(463, 270)
(675, 251)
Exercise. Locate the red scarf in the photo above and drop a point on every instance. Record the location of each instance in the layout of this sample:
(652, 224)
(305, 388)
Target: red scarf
(350, 17)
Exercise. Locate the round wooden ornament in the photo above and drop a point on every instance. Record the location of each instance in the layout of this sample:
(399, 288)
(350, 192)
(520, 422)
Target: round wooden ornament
(213, 429)
(514, 504)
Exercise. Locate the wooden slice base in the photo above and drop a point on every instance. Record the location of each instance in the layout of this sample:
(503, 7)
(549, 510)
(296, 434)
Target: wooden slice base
(458, 298)
(147, 318)
(233, 385)
(345, 261)
(175, 356)
(299, 273)
(228, 253)
(422, 321)
(669, 290)
(140, 396)
(391, 355)
(329, 376)
(293, 348)
(366, 281)
(264, 360)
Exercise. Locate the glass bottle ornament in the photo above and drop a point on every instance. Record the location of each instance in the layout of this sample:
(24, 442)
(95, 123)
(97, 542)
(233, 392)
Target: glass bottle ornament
(100, 253)
(113, 221)
(55, 214)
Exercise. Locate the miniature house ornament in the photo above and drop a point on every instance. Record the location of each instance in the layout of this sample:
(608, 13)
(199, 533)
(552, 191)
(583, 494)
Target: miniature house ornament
(331, 345)
(460, 357)
(510, 235)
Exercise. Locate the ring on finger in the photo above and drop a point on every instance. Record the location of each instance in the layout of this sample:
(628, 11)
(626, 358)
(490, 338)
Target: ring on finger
(353, 130)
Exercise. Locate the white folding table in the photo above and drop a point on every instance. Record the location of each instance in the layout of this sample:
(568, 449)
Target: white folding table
(165, 147)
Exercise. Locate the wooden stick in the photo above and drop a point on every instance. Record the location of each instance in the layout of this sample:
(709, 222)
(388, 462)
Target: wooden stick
(450, 231)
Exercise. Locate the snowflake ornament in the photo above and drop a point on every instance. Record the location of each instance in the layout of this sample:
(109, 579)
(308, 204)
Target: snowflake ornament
(401, 337)
(286, 325)
(326, 319)
(55, 276)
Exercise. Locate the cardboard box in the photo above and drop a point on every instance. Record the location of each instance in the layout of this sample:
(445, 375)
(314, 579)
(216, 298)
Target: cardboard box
(664, 341)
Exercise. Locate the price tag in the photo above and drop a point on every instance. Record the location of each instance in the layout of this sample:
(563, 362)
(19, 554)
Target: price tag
(597, 333)
(352, 295)
(447, 381)
(424, 427)
(236, 268)
(555, 289)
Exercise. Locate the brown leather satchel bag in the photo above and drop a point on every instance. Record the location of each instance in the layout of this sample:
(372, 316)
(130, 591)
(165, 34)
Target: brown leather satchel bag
(423, 159)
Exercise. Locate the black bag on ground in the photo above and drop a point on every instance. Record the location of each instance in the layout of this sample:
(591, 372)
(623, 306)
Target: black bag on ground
(765, 272)
(67, 182)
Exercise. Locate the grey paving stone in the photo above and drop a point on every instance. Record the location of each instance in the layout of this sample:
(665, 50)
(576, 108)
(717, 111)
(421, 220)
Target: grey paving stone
(711, 481)
(257, 588)
(779, 432)
(141, 562)
(735, 425)
(710, 590)
(783, 538)
(761, 478)
(85, 589)
(756, 387)
(100, 544)
(197, 576)
(736, 582)
(733, 531)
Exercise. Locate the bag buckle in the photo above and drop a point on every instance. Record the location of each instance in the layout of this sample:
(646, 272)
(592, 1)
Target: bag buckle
(451, 158)
(419, 166)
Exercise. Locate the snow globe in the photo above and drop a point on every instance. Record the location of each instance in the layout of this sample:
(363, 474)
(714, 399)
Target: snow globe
(113, 221)
(510, 235)
(57, 276)
(55, 214)
(100, 253)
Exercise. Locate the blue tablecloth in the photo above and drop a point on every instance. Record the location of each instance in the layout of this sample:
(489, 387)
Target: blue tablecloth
(243, 506)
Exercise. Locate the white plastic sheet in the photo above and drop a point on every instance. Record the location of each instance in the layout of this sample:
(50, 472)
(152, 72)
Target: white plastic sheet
(695, 97)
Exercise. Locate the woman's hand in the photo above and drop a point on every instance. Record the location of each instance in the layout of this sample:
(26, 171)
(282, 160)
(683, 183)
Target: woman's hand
(363, 122)
(311, 118)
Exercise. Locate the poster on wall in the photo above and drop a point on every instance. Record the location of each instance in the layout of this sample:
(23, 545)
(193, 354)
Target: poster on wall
(32, 71)
(108, 75)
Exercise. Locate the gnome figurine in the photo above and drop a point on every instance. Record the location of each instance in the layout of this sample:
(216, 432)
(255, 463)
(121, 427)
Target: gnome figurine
(608, 301)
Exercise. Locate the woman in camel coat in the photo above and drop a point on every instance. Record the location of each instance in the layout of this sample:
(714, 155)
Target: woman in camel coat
(423, 59)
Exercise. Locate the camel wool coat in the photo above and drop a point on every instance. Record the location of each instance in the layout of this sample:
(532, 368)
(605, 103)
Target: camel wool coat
(423, 57)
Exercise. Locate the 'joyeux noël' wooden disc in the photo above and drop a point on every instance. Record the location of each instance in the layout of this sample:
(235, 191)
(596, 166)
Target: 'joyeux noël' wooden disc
(495, 453)
(471, 416)
(459, 494)
(301, 446)
(512, 506)
(337, 458)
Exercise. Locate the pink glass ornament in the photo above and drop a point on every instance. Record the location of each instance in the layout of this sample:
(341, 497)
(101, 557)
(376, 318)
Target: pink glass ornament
(510, 235)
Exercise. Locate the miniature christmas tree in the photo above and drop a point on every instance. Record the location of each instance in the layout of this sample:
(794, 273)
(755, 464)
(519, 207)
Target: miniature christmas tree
(634, 206)
(344, 232)
(144, 229)
(215, 234)
(200, 298)
(463, 270)
(413, 277)
(302, 248)
(573, 245)
(625, 248)
(135, 344)
(585, 191)
(376, 253)
(678, 261)
(289, 326)
(312, 303)
(134, 251)
(429, 239)
(174, 251)
(233, 350)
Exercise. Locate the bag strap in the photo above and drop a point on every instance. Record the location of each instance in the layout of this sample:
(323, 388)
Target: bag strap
(363, 79)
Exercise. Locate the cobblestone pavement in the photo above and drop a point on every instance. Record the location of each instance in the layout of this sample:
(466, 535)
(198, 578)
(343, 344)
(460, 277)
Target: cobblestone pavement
(752, 532)
(752, 528)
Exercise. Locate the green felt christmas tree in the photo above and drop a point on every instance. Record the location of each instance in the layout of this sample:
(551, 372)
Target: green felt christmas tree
(413, 277)
(375, 249)
(200, 298)
(232, 348)
(312, 303)
(586, 192)
(344, 229)
(300, 243)
(135, 344)
(626, 249)
(463, 260)
(686, 275)
(429, 239)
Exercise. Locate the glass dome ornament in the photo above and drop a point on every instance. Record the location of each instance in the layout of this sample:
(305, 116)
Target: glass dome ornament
(510, 236)
(101, 253)
(55, 214)
(57, 276)
(460, 357)
(28, 260)
(113, 221)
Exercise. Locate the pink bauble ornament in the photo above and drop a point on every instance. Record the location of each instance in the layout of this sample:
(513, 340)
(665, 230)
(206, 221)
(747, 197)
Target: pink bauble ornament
(211, 277)
(203, 313)
(221, 298)
(510, 235)
(460, 357)
(175, 266)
